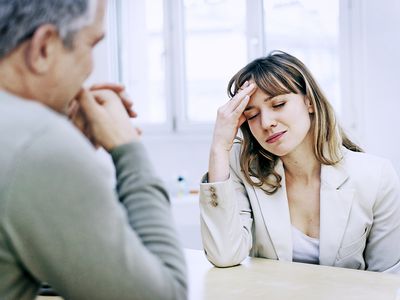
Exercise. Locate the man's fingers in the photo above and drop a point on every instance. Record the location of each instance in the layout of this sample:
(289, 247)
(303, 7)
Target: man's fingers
(79, 120)
(132, 114)
(119, 89)
(116, 87)
(72, 109)
(128, 103)
(87, 102)
(126, 99)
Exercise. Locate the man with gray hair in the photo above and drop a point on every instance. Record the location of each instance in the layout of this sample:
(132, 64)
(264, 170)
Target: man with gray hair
(61, 220)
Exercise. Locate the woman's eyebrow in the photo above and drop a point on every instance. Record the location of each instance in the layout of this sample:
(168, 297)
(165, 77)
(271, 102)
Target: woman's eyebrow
(267, 98)
(250, 107)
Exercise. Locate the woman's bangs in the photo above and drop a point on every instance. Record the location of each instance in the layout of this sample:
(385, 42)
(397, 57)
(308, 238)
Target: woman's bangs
(240, 80)
(275, 84)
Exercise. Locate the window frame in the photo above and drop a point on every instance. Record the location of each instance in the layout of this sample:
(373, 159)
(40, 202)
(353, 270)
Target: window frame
(175, 77)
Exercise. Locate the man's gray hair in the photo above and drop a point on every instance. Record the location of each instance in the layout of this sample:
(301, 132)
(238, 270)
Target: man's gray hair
(19, 19)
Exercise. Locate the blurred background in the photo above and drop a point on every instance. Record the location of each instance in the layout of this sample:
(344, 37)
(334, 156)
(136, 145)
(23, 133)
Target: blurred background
(176, 57)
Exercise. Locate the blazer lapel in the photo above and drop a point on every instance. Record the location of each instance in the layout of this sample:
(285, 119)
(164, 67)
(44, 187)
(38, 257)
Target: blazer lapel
(275, 212)
(335, 205)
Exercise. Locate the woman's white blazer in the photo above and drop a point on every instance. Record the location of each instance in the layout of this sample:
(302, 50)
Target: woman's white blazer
(359, 216)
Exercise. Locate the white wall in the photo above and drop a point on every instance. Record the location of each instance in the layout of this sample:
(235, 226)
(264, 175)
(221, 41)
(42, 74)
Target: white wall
(382, 79)
(179, 156)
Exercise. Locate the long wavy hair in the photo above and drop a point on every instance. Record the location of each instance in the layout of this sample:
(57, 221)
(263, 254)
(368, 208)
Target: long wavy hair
(277, 74)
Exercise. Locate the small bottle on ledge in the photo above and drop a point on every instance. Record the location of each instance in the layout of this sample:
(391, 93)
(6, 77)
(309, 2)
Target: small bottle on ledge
(182, 187)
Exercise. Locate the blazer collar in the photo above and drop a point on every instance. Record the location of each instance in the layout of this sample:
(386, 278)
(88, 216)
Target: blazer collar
(336, 200)
(275, 212)
(335, 205)
(333, 176)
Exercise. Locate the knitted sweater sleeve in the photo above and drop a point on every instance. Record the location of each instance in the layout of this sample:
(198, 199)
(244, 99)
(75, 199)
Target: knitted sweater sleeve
(65, 224)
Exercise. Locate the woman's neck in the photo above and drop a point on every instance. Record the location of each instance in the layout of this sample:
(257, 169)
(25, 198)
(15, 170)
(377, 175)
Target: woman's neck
(301, 165)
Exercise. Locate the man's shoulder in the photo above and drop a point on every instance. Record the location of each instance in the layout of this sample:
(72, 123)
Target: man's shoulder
(26, 122)
(34, 135)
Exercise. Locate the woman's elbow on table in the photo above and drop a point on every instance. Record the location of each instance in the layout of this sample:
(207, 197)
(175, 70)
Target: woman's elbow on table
(224, 259)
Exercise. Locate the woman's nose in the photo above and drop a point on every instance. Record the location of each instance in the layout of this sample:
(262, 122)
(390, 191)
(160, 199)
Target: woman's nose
(267, 121)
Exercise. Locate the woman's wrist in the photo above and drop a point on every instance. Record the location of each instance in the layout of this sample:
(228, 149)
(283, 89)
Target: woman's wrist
(218, 168)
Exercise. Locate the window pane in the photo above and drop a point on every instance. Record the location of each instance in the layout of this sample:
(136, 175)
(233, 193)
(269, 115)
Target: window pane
(142, 57)
(309, 30)
(215, 49)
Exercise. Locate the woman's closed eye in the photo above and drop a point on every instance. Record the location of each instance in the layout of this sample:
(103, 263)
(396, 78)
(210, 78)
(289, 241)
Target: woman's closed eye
(278, 105)
(250, 117)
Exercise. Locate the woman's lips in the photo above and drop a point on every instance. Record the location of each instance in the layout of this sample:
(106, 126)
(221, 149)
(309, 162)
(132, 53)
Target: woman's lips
(276, 136)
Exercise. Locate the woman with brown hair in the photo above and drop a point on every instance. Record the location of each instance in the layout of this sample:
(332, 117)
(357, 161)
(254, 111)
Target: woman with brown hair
(294, 187)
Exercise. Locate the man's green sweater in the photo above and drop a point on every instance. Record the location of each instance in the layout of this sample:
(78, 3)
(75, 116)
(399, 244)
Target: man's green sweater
(62, 221)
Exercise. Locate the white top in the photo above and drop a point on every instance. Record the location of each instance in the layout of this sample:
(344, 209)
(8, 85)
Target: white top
(305, 248)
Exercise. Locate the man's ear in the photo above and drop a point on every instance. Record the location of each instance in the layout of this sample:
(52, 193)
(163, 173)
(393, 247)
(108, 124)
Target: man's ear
(41, 50)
